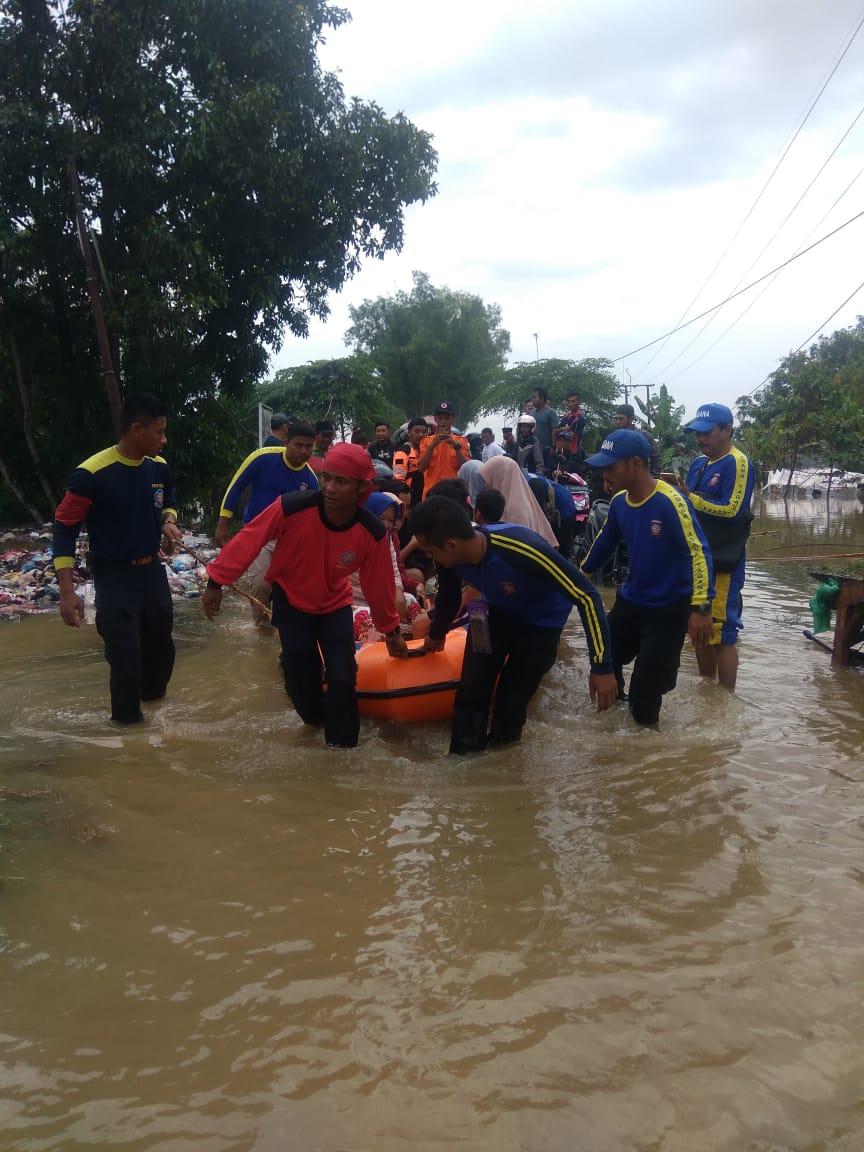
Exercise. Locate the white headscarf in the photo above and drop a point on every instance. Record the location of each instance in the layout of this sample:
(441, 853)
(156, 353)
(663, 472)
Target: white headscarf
(470, 473)
(520, 507)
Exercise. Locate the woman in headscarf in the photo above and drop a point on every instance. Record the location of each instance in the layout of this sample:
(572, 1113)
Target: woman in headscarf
(556, 504)
(388, 508)
(520, 507)
(470, 473)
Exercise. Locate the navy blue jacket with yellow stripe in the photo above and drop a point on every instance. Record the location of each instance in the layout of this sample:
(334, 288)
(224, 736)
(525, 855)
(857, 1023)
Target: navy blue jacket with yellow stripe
(122, 502)
(669, 556)
(521, 575)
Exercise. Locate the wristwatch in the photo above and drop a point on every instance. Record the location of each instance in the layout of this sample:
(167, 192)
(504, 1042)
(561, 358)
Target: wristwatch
(702, 609)
(397, 631)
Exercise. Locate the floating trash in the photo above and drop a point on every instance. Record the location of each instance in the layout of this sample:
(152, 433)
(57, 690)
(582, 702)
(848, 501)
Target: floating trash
(28, 582)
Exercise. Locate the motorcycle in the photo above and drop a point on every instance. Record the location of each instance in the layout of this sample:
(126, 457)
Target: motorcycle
(580, 494)
(617, 567)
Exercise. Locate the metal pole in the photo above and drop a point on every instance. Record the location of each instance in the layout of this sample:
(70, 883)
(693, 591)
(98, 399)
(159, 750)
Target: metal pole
(647, 388)
(109, 377)
(536, 336)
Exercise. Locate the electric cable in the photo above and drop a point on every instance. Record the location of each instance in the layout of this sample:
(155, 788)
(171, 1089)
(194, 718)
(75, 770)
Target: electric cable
(778, 230)
(755, 299)
(815, 332)
(850, 41)
(740, 292)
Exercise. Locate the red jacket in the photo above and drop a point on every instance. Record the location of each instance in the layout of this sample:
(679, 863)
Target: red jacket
(313, 559)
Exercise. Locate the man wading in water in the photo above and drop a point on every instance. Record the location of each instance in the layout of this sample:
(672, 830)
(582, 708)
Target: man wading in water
(126, 496)
(321, 538)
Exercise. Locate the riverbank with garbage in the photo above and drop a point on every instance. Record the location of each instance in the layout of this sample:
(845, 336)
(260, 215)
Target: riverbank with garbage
(28, 582)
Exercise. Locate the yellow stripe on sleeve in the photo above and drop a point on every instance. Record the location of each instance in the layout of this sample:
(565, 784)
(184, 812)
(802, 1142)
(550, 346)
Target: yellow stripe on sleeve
(570, 588)
(698, 562)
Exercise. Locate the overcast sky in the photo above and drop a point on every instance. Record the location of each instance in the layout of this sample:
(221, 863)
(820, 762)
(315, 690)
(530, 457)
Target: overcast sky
(596, 158)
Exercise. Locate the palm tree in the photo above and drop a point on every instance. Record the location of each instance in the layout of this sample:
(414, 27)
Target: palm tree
(662, 416)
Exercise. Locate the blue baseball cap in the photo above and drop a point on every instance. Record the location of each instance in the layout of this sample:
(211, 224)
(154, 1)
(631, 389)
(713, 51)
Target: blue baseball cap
(622, 444)
(708, 417)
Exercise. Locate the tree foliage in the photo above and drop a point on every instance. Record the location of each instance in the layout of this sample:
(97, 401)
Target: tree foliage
(812, 408)
(594, 380)
(230, 186)
(431, 344)
(663, 419)
(347, 391)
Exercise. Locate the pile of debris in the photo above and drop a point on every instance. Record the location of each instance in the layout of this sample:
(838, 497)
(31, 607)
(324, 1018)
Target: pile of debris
(28, 582)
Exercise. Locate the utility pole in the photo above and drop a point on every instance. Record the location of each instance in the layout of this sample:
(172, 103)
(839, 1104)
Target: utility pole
(647, 388)
(536, 336)
(109, 377)
(626, 387)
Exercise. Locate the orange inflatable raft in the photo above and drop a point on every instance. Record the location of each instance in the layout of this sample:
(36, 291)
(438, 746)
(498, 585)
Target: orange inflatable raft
(422, 688)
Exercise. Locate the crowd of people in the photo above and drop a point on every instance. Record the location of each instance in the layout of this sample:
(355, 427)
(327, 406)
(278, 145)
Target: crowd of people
(344, 542)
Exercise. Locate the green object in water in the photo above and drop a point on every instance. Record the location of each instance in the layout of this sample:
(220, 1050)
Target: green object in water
(821, 604)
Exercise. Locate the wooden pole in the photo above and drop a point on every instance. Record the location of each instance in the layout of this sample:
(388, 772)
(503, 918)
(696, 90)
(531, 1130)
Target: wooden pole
(109, 377)
(265, 608)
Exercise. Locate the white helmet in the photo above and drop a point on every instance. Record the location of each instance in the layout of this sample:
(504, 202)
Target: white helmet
(526, 420)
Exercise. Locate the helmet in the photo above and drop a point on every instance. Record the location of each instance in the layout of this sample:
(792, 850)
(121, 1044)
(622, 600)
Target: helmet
(526, 420)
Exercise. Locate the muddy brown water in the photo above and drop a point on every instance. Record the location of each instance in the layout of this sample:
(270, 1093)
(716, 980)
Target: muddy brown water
(215, 934)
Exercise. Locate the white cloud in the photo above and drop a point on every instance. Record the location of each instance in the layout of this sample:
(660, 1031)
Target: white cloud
(596, 160)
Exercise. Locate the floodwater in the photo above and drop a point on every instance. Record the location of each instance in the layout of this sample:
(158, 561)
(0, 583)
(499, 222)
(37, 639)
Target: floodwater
(217, 935)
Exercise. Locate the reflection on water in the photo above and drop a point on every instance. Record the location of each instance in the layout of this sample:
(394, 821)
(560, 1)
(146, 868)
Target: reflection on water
(217, 934)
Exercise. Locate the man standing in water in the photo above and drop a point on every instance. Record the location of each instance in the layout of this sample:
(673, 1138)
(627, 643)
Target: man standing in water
(527, 591)
(720, 487)
(268, 473)
(668, 590)
(321, 538)
(126, 496)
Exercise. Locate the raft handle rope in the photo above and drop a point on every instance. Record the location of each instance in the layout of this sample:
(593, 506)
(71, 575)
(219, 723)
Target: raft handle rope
(265, 608)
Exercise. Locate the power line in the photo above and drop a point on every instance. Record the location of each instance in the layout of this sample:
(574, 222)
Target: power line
(756, 298)
(777, 232)
(850, 41)
(816, 332)
(741, 291)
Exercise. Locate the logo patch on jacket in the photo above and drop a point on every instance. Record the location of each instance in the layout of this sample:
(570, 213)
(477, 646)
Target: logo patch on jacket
(348, 559)
(714, 480)
(656, 528)
(158, 495)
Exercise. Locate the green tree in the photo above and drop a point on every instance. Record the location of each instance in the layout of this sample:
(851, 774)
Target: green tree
(593, 378)
(347, 391)
(662, 417)
(812, 408)
(230, 186)
(431, 344)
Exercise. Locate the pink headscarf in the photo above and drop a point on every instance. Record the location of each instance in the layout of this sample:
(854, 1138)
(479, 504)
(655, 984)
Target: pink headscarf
(520, 507)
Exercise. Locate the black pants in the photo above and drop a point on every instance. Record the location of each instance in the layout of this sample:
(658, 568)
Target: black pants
(307, 637)
(521, 656)
(134, 617)
(565, 534)
(653, 637)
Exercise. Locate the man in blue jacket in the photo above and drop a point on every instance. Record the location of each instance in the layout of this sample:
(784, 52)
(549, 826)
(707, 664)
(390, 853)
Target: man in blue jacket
(268, 473)
(527, 591)
(125, 497)
(720, 488)
(668, 591)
